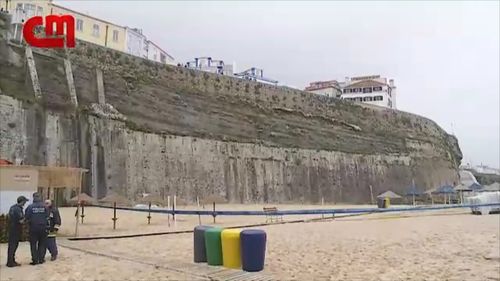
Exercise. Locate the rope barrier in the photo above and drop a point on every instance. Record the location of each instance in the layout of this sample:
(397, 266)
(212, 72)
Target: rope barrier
(302, 212)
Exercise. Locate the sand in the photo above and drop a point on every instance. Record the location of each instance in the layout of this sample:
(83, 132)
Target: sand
(436, 245)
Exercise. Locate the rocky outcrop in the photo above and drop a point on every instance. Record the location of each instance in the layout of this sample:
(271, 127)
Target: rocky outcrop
(170, 130)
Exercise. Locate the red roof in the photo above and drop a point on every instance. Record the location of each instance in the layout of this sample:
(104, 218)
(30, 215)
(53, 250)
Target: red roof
(4, 162)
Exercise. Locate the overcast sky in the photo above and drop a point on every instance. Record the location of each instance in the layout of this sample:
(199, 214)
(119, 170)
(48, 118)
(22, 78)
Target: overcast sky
(444, 56)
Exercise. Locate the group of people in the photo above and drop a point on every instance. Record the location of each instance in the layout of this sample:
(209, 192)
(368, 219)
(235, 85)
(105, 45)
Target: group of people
(43, 220)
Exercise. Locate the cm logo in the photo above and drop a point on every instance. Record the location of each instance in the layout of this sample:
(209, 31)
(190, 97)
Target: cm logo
(52, 39)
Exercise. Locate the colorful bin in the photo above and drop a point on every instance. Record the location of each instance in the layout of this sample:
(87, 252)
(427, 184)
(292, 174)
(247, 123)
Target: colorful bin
(253, 249)
(213, 246)
(231, 254)
(199, 249)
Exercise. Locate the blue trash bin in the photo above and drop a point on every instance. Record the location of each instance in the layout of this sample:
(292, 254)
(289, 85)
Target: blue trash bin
(253, 249)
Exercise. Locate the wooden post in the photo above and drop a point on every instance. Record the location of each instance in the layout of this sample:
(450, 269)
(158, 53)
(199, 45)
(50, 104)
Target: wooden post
(149, 213)
(76, 217)
(213, 214)
(371, 195)
(322, 203)
(168, 208)
(114, 215)
(173, 210)
(198, 203)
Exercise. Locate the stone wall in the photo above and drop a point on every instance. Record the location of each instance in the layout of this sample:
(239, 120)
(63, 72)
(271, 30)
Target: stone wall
(169, 130)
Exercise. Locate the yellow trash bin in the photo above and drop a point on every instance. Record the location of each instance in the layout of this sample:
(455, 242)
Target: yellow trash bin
(231, 252)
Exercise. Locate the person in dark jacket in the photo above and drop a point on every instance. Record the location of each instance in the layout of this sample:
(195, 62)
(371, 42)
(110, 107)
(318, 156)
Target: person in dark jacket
(16, 220)
(54, 223)
(37, 216)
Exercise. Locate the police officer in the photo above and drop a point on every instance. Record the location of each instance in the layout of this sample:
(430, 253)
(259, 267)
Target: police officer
(37, 216)
(16, 219)
(53, 224)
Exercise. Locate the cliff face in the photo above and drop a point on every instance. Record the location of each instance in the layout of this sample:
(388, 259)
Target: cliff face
(144, 127)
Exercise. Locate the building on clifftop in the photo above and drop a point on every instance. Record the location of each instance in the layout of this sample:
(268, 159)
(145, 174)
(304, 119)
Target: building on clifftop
(326, 88)
(374, 90)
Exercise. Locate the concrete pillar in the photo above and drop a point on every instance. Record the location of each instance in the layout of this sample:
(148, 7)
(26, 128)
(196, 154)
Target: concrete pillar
(100, 87)
(71, 83)
(33, 74)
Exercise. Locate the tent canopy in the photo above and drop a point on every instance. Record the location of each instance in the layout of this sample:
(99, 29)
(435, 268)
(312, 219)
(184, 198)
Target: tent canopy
(389, 194)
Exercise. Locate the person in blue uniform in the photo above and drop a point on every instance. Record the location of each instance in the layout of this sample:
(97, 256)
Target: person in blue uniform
(54, 223)
(37, 216)
(16, 220)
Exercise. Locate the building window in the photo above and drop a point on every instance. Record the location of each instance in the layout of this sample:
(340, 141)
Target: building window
(115, 35)
(367, 90)
(95, 30)
(377, 89)
(367, 99)
(29, 10)
(376, 98)
(79, 25)
(345, 91)
(39, 11)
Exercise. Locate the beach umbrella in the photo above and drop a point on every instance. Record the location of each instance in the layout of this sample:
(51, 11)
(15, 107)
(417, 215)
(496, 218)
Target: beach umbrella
(389, 194)
(84, 198)
(153, 199)
(492, 187)
(413, 191)
(114, 198)
(461, 188)
(446, 190)
(217, 199)
(475, 187)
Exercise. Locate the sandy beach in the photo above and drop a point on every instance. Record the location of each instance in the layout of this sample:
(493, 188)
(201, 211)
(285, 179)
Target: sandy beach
(431, 245)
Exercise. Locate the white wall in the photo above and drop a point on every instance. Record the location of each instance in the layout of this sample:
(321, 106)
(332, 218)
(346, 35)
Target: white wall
(384, 102)
(9, 198)
(329, 92)
(135, 43)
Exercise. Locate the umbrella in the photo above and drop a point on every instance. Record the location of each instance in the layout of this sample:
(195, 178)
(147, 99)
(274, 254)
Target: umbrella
(445, 189)
(492, 187)
(213, 198)
(389, 194)
(462, 187)
(475, 186)
(82, 197)
(153, 199)
(114, 198)
(413, 191)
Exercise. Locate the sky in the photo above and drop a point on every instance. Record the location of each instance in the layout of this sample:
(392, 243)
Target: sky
(443, 56)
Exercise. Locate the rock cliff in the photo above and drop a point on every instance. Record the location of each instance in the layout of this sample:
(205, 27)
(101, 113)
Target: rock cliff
(140, 127)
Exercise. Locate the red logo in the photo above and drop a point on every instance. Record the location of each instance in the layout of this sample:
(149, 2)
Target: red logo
(47, 42)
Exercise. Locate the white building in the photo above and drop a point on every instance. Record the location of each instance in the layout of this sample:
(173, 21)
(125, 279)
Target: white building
(155, 53)
(210, 65)
(370, 89)
(325, 88)
(137, 43)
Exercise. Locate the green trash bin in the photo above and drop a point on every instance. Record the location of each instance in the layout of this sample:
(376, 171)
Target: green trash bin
(213, 246)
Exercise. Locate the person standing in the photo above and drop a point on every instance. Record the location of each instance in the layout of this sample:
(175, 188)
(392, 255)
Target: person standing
(16, 220)
(37, 216)
(54, 223)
